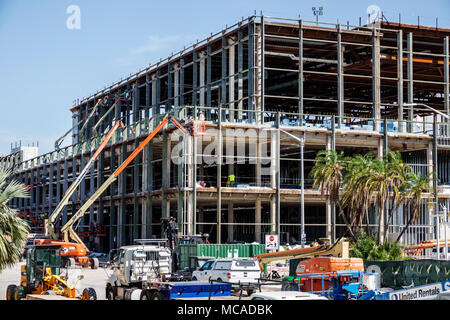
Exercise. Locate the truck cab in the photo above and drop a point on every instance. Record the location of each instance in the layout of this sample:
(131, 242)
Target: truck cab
(233, 270)
(135, 264)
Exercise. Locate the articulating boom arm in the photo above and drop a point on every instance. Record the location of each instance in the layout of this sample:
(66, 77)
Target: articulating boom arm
(81, 133)
(59, 141)
(94, 128)
(49, 223)
(338, 249)
(67, 229)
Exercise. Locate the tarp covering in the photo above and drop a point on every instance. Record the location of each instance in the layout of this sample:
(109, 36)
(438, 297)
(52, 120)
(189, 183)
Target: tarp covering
(403, 273)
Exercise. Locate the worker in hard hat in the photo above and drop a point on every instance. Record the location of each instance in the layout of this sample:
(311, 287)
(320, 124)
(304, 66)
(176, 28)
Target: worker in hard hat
(231, 180)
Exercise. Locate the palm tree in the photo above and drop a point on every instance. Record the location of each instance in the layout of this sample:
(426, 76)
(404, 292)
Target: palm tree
(13, 230)
(399, 173)
(355, 196)
(376, 181)
(328, 175)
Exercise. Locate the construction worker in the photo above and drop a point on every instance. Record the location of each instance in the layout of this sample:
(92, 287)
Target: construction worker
(231, 180)
(201, 116)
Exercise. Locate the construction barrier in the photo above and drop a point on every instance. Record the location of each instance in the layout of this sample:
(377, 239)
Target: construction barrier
(403, 273)
(191, 256)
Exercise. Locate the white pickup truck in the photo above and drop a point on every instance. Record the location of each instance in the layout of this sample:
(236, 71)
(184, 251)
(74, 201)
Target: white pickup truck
(234, 270)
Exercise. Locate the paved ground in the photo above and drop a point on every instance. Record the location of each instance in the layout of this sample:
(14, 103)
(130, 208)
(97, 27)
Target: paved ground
(92, 278)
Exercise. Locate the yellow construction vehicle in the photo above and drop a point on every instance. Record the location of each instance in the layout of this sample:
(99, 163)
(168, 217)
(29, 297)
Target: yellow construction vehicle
(41, 276)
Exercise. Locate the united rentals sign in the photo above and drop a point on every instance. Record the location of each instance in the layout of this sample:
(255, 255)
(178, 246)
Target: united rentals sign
(425, 292)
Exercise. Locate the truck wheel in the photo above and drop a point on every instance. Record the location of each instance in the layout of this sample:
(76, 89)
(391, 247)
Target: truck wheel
(19, 293)
(10, 292)
(144, 295)
(158, 296)
(70, 263)
(135, 294)
(89, 294)
(94, 263)
(110, 294)
(50, 293)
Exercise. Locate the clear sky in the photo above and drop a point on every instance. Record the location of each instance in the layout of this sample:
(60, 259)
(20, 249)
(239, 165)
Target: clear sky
(45, 66)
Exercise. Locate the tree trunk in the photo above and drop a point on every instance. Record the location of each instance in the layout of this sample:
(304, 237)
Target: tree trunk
(341, 213)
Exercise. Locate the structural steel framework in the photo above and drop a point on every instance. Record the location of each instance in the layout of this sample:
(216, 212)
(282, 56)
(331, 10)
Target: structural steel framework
(340, 87)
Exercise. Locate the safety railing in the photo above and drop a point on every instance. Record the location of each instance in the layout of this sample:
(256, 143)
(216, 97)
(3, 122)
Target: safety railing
(269, 118)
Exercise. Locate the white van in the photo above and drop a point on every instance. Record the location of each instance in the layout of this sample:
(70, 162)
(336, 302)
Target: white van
(234, 270)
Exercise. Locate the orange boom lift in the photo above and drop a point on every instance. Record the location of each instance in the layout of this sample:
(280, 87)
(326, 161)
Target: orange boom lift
(67, 229)
(73, 253)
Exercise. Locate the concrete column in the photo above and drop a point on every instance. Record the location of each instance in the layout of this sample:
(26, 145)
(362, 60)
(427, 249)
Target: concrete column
(258, 220)
(230, 220)
(273, 175)
(180, 181)
(380, 151)
(410, 81)
(300, 71)
(231, 71)
(430, 164)
(259, 76)
(144, 204)
(112, 240)
(240, 77)
(65, 187)
(382, 213)
(273, 158)
(258, 162)
(340, 77)
(166, 164)
(251, 64)
(447, 80)
(200, 219)
(219, 151)
(273, 215)
(189, 219)
(202, 79)
(401, 126)
(154, 88)
(376, 95)
(176, 85)
(328, 208)
(121, 212)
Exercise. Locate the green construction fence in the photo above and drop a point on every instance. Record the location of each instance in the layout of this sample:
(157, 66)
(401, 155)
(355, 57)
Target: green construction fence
(401, 273)
(192, 256)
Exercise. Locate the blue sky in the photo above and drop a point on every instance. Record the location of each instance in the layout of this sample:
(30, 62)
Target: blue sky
(44, 66)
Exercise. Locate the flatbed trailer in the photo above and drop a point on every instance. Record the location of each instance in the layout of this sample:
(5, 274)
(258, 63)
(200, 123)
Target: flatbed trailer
(47, 297)
(184, 289)
(223, 298)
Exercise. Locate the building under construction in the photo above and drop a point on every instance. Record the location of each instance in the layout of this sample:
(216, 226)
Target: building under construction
(355, 89)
